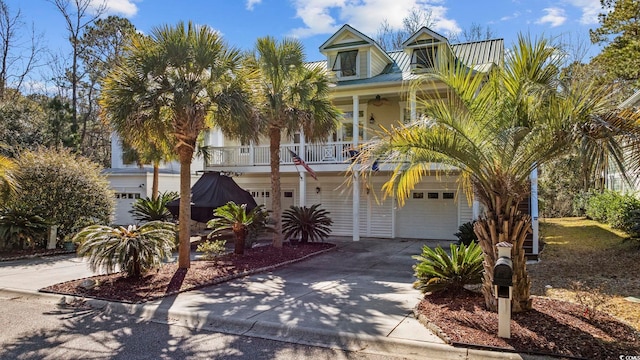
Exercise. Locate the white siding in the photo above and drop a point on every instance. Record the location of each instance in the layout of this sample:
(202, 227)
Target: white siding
(465, 210)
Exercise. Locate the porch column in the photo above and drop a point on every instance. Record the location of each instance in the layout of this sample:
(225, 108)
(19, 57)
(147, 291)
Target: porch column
(252, 157)
(534, 208)
(412, 103)
(303, 174)
(356, 182)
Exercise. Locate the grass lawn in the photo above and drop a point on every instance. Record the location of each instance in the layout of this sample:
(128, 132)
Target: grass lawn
(605, 264)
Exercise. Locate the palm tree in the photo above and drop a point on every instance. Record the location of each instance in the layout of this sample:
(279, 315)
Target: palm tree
(236, 218)
(291, 98)
(8, 183)
(494, 129)
(186, 77)
(134, 250)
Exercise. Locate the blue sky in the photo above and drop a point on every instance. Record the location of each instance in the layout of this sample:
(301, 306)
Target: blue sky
(313, 21)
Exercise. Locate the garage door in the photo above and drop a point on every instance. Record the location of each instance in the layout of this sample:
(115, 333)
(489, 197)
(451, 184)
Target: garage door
(428, 214)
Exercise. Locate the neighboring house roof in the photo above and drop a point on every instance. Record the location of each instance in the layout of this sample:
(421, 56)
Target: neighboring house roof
(632, 101)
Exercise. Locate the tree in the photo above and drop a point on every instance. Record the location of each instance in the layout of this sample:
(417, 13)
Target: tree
(8, 184)
(17, 59)
(183, 77)
(390, 38)
(65, 189)
(291, 98)
(475, 32)
(236, 218)
(620, 30)
(78, 15)
(495, 130)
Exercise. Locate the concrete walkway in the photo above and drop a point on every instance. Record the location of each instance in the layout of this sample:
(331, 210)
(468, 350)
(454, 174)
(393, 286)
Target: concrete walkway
(357, 297)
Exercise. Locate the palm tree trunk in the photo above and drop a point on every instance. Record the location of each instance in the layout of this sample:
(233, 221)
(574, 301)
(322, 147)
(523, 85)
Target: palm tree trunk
(240, 240)
(184, 218)
(276, 206)
(156, 175)
(505, 224)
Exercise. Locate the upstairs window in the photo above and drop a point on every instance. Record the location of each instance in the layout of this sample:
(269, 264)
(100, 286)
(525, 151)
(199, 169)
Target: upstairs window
(424, 58)
(346, 62)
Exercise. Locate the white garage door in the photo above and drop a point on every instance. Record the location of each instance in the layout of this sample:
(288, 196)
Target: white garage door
(428, 214)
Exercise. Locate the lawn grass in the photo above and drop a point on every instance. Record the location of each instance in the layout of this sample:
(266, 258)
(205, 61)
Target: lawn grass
(606, 265)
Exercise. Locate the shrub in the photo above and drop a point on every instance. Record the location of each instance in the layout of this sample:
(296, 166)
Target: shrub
(437, 271)
(308, 223)
(236, 218)
(465, 234)
(613, 208)
(21, 230)
(154, 209)
(64, 189)
(212, 249)
(134, 250)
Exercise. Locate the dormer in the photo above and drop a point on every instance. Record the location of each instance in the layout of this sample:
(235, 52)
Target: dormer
(424, 48)
(351, 55)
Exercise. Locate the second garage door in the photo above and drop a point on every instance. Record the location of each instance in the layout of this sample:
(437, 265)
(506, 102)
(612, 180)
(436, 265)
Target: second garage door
(428, 214)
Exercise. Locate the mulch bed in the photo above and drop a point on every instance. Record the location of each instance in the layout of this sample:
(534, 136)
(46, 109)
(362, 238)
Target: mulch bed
(169, 280)
(553, 327)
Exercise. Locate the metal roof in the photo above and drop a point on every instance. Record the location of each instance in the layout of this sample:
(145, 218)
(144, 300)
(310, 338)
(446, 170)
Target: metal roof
(480, 52)
(478, 55)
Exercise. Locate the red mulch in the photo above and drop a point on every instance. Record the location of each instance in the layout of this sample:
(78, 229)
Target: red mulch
(169, 280)
(552, 327)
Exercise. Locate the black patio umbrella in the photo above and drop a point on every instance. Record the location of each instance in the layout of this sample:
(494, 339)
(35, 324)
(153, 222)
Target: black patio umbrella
(211, 191)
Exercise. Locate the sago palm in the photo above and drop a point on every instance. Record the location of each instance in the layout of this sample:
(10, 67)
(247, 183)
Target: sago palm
(151, 209)
(133, 250)
(236, 218)
(437, 271)
(183, 78)
(291, 98)
(493, 130)
(308, 223)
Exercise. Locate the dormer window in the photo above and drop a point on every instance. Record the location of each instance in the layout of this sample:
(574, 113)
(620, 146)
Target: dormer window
(346, 63)
(424, 58)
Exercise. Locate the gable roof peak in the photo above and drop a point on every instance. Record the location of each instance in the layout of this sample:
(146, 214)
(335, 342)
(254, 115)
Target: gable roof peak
(424, 31)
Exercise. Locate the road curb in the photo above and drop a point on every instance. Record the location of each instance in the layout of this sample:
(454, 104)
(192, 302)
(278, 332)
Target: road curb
(275, 331)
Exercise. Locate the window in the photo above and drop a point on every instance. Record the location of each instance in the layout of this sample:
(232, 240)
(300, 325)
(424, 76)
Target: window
(447, 195)
(346, 62)
(418, 195)
(288, 194)
(432, 195)
(424, 58)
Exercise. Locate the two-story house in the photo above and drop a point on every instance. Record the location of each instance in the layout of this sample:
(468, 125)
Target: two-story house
(371, 88)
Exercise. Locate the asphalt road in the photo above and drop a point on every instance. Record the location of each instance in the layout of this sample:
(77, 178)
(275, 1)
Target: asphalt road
(37, 328)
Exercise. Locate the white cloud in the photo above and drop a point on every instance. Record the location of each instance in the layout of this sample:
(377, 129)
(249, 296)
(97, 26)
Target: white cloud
(252, 3)
(590, 10)
(326, 16)
(554, 17)
(126, 8)
(510, 17)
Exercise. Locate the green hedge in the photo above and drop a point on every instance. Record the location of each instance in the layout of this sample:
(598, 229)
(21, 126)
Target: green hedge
(612, 208)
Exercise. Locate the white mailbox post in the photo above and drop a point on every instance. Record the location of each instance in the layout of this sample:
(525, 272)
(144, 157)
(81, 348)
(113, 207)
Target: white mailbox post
(503, 288)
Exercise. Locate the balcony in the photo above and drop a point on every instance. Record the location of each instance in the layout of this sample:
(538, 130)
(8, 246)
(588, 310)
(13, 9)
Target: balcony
(243, 156)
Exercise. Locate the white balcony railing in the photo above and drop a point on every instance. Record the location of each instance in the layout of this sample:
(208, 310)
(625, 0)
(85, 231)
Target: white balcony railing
(326, 153)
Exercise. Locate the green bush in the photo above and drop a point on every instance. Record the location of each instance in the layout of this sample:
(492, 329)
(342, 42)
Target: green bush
(65, 189)
(133, 250)
(212, 249)
(438, 271)
(153, 209)
(308, 223)
(465, 234)
(613, 208)
(20, 230)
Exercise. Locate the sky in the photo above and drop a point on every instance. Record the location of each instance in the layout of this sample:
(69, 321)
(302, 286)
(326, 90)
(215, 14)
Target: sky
(241, 22)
